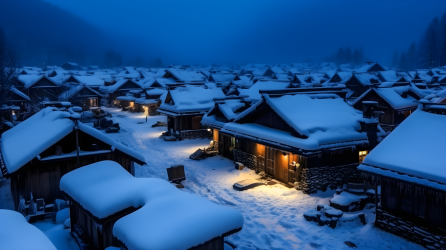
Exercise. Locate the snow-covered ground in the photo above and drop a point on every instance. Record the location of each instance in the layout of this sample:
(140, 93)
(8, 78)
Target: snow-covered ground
(273, 214)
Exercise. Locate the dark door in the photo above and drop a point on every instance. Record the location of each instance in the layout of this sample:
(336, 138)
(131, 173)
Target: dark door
(196, 122)
(281, 167)
(270, 156)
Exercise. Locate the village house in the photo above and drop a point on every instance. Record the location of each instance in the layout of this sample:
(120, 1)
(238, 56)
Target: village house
(408, 167)
(83, 96)
(370, 67)
(70, 66)
(37, 165)
(225, 110)
(185, 106)
(113, 208)
(297, 138)
(38, 87)
(120, 88)
(397, 103)
(184, 76)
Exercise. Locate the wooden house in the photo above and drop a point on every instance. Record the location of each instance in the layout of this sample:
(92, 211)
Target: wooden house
(102, 218)
(357, 84)
(19, 99)
(38, 87)
(70, 66)
(294, 137)
(83, 96)
(184, 76)
(40, 150)
(370, 67)
(408, 169)
(120, 88)
(396, 103)
(150, 101)
(186, 105)
(225, 110)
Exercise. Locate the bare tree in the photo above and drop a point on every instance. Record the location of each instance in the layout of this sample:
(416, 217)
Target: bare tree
(9, 65)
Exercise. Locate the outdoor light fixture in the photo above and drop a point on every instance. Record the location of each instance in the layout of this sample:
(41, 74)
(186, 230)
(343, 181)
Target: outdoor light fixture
(284, 154)
(361, 153)
(209, 129)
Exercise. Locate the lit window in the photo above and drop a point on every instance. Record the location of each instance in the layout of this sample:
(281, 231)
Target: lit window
(362, 155)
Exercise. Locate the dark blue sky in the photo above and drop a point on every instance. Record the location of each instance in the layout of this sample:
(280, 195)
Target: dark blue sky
(229, 31)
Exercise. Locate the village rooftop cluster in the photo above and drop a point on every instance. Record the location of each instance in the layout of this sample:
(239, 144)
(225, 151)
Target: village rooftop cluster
(373, 134)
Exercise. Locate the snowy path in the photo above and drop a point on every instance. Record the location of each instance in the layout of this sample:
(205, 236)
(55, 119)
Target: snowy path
(273, 214)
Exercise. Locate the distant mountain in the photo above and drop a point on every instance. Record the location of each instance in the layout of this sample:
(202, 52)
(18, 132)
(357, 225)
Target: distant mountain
(43, 33)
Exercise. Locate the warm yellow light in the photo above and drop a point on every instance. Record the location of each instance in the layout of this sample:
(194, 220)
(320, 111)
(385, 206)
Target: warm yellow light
(362, 153)
(209, 129)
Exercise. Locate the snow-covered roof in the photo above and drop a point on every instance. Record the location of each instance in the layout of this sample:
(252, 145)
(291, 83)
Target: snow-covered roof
(156, 91)
(105, 188)
(74, 89)
(17, 233)
(19, 93)
(186, 75)
(46, 127)
(416, 147)
(253, 91)
(119, 83)
(28, 80)
(90, 80)
(395, 99)
(192, 99)
(228, 107)
(323, 120)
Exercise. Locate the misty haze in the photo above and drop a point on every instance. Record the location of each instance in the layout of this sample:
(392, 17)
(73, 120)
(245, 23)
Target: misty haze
(221, 125)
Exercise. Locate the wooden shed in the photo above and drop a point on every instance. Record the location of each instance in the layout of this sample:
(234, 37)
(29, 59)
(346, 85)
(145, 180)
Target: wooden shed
(142, 205)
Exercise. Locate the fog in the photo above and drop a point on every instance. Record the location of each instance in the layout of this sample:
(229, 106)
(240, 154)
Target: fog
(229, 31)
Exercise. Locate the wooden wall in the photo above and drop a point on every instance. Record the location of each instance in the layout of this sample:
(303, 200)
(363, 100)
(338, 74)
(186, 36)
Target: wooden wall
(42, 178)
(97, 233)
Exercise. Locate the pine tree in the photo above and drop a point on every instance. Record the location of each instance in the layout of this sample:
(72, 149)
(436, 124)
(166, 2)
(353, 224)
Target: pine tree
(348, 55)
(395, 59)
(340, 56)
(443, 40)
(403, 62)
(361, 55)
(430, 46)
(356, 57)
(411, 53)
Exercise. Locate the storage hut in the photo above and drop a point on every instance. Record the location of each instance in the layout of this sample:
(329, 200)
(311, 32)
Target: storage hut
(113, 208)
(409, 165)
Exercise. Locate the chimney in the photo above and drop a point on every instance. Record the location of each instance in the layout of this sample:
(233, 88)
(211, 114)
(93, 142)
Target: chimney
(369, 123)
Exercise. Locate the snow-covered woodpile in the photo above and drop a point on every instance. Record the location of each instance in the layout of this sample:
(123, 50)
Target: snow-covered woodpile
(248, 160)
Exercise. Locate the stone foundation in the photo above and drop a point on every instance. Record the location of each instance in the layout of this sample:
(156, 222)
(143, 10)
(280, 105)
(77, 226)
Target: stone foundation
(406, 229)
(249, 160)
(194, 134)
(321, 178)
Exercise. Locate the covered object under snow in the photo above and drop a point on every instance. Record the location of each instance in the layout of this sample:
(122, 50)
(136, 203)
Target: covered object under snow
(410, 165)
(38, 151)
(114, 208)
(17, 233)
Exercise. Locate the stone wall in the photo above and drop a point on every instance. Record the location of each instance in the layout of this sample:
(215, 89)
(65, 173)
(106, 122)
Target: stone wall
(321, 178)
(406, 229)
(249, 160)
(194, 134)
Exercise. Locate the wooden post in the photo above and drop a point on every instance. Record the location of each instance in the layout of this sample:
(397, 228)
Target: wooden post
(376, 198)
(77, 144)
